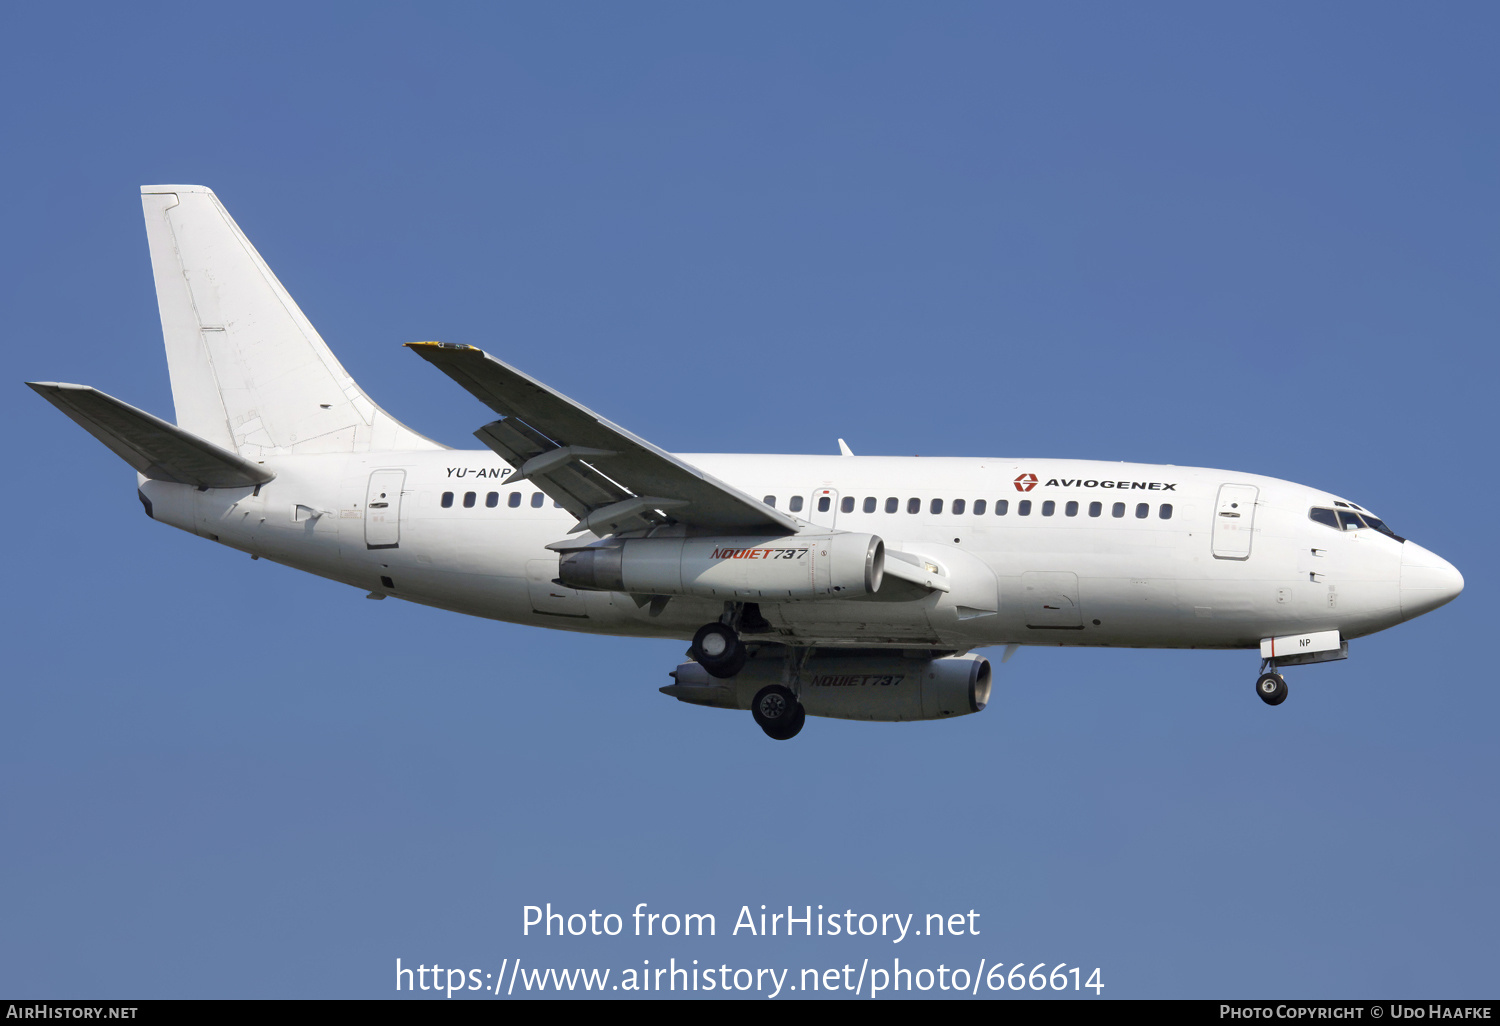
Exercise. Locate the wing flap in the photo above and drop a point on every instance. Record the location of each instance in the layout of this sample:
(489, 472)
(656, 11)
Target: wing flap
(537, 421)
(161, 451)
(577, 487)
(514, 441)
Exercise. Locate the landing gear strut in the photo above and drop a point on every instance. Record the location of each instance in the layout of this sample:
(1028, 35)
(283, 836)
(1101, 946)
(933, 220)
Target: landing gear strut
(1271, 687)
(778, 712)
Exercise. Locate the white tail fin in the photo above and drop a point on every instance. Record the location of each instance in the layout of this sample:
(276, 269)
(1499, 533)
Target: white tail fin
(249, 372)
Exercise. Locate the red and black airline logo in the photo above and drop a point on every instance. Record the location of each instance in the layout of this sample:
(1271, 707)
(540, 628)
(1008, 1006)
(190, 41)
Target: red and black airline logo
(1026, 482)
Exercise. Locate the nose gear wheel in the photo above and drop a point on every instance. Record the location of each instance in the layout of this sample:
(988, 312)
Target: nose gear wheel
(1271, 687)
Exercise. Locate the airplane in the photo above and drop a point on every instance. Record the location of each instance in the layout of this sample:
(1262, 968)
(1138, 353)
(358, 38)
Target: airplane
(853, 587)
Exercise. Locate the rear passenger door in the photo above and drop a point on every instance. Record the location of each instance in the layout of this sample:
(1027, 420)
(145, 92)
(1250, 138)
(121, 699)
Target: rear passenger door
(383, 509)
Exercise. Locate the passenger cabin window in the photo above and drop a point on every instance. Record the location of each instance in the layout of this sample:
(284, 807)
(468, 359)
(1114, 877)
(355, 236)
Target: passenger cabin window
(1002, 507)
(1096, 508)
(468, 500)
(824, 502)
(770, 500)
(913, 505)
(794, 504)
(536, 500)
(1118, 510)
(447, 500)
(892, 504)
(1166, 511)
(936, 506)
(846, 504)
(869, 506)
(1048, 508)
(514, 500)
(979, 507)
(492, 500)
(958, 507)
(1142, 510)
(1071, 509)
(1023, 508)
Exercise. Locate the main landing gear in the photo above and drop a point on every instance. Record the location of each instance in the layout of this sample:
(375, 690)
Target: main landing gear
(778, 712)
(718, 649)
(717, 646)
(1271, 687)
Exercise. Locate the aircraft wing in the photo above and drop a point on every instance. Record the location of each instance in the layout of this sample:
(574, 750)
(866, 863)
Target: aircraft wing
(610, 479)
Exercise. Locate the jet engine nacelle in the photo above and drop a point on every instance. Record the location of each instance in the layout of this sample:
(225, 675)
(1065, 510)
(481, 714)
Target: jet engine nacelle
(865, 686)
(841, 565)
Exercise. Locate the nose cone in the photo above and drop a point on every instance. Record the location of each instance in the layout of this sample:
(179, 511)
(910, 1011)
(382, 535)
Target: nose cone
(1427, 581)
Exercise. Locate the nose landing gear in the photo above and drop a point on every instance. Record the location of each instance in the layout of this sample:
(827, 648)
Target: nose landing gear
(1271, 687)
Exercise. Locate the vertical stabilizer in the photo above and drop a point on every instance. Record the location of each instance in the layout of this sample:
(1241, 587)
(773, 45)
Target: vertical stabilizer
(249, 372)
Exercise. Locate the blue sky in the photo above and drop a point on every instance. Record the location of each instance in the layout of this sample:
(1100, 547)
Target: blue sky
(1259, 237)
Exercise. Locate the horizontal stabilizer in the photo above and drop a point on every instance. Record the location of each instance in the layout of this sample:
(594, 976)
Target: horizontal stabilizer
(161, 451)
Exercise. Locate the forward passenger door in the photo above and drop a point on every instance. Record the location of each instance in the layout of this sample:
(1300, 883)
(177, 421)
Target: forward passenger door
(1234, 521)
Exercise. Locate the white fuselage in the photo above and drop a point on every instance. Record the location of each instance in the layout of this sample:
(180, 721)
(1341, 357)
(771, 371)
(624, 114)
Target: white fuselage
(1202, 576)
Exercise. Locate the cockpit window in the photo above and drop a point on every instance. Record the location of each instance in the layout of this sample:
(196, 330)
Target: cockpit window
(1345, 519)
(1379, 525)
